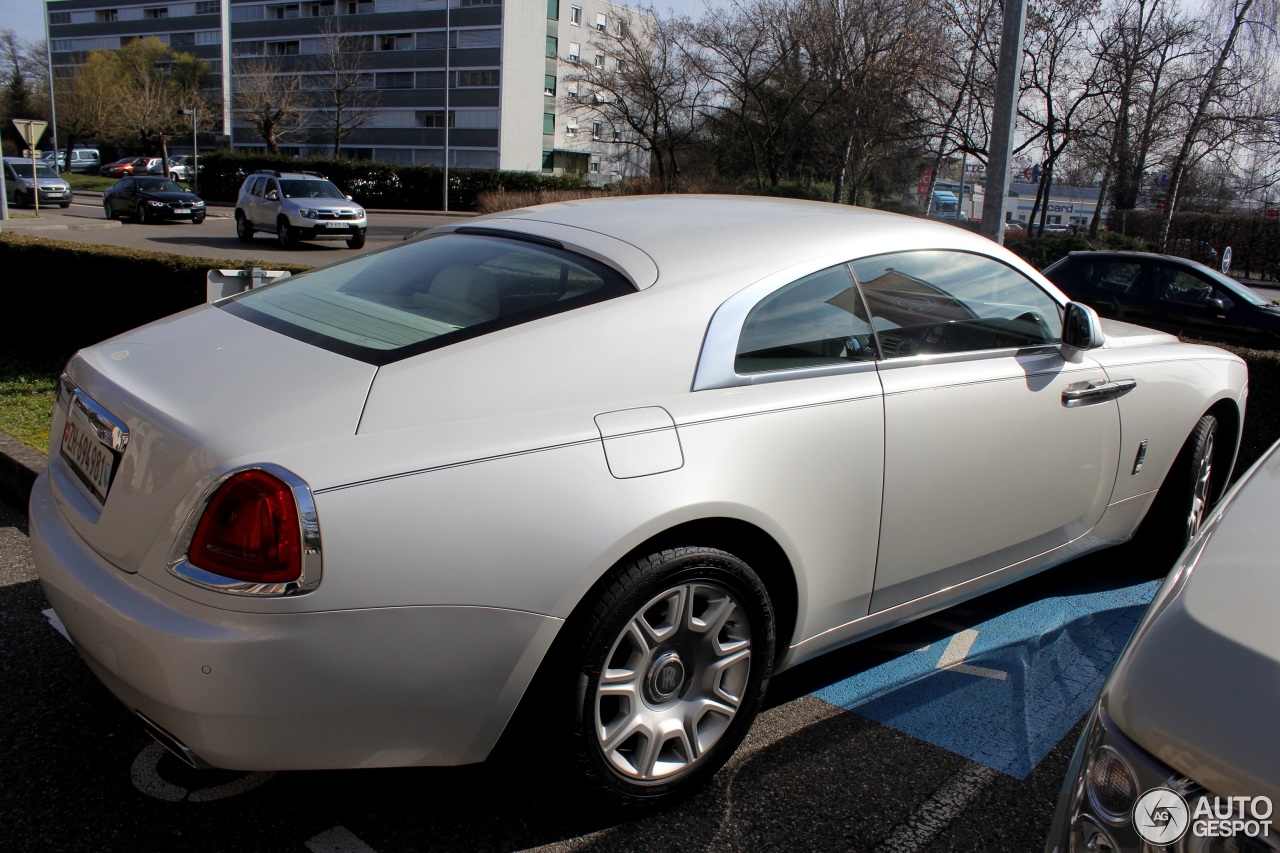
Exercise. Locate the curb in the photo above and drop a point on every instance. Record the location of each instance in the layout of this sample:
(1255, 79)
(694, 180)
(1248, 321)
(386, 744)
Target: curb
(19, 467)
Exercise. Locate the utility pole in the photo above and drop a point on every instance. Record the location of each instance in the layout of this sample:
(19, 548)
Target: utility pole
(1003, 119)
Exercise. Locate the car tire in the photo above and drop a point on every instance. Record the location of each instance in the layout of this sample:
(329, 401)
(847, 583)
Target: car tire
(673, 659)
(1185, 498)
(356, 242)
(106, 209)
(140, 213)
(244, 230)
(284, 234)
(64, 205)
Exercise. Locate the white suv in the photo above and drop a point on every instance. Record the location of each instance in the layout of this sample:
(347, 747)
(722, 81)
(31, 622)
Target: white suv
(298, 206)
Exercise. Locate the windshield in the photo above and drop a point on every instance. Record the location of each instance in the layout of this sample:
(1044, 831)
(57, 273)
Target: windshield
(1236, 288)
(408, 299)
(159, 185)
(23, 170)
(309, 189)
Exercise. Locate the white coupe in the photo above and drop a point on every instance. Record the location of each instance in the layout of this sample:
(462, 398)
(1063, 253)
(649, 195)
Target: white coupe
(605, 465)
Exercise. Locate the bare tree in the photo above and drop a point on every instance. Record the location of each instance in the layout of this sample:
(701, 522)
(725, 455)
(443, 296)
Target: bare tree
(1233, 54)
(644, 91)
(340, 93)
(269, 98)
(16, 99)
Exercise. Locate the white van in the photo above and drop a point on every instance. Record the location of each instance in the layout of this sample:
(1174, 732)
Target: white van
(82, 160)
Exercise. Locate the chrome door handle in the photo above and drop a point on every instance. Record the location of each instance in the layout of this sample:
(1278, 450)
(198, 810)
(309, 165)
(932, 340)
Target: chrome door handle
(1086, 393)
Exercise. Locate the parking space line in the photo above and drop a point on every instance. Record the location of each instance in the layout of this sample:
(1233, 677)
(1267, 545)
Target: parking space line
(936, 813)
(338, 840)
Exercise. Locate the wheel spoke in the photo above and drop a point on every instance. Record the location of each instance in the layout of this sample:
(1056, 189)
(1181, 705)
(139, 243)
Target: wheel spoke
(729, 676)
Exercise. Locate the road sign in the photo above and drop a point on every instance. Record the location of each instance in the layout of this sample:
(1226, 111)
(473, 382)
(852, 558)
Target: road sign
(30, 129)
(1226, 260)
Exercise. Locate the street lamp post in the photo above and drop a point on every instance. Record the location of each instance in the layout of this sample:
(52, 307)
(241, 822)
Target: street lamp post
(195, 154)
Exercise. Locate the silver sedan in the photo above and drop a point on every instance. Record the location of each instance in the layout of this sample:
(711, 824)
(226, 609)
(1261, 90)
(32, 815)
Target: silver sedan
(606, 466)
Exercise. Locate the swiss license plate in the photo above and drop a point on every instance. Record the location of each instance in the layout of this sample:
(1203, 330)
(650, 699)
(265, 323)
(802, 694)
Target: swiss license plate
(182, 210)
(89, 457)
(336, 225)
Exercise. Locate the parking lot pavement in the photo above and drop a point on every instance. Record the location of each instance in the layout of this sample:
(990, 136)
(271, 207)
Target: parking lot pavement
(952, 733)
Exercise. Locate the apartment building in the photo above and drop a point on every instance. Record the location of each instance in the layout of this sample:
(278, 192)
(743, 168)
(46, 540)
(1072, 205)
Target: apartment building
(478, 79)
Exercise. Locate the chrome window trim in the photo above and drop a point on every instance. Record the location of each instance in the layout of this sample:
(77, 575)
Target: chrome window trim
(720, 344)
(309, 528)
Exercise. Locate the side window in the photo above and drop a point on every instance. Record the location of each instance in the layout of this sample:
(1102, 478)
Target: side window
(817, 320)
(1106, 275)
(947, 302)
(256, 187)
(1184, 288)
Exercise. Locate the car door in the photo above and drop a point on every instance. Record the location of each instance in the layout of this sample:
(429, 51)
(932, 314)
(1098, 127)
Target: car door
(992, 454)
(1190, 304)
(127, 195)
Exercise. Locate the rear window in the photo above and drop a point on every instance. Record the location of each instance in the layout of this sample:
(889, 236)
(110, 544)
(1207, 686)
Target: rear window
(409, 299)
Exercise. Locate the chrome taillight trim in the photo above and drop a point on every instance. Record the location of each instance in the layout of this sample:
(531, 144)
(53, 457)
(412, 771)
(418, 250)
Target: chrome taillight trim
(309, 528)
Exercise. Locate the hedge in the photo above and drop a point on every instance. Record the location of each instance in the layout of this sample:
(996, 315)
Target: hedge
(75, 295)
(378, 185)
(1254, 240)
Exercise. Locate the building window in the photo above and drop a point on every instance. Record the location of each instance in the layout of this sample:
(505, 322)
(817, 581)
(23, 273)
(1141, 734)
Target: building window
(106, 16)
(553, 10)
(208, 7)
(59, 17)
(571, 130)
(553, 47)
(549, 85)
(393, 80)
(323, 9)
(548, 161)
(548, 123)
(433, 40)
(602, 22)
(476, 79)
(617, 135)
(594, 167)
(282, 11)
(573, 89)
(575, 50)
(283, 48)
(599, 60)
(597, 128)
(209, 37)
(395, 41)
(435, 118)
(465, 3)
(155, 13)
(360, 7)
(430, 80)
(622, 65)
(575, 15)
(186, 40)
(247, 48)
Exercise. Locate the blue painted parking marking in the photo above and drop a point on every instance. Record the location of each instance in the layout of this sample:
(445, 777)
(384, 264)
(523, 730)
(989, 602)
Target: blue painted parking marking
(1005, 690)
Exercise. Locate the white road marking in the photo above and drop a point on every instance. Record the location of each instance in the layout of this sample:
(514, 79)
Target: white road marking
(56, 623)
(147, 780)
(936, 814)
(338, 840)
(957, 650)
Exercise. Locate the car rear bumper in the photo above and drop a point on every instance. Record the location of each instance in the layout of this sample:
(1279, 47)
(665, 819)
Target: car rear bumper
(374, 687)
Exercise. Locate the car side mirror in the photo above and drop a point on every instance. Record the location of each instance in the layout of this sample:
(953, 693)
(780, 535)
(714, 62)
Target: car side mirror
(1220, 303)
(1081, 328)
(349, 198)
(273, 196)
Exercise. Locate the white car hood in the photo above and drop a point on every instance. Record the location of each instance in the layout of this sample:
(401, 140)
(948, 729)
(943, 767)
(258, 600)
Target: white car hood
(201, 391)
(1120, 334)
(1199, 684)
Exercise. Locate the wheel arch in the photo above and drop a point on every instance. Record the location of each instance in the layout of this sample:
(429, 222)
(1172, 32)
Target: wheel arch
(1231, 422)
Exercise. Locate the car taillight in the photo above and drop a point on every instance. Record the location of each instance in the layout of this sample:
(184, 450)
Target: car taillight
(250, 531)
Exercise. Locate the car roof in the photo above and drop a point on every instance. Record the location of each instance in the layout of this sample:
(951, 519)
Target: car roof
(752, 236)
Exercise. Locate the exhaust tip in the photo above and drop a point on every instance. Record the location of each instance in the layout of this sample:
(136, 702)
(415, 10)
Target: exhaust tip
(176, 748)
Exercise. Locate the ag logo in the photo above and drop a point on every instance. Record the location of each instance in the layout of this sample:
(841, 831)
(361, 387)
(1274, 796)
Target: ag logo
(1161, 816)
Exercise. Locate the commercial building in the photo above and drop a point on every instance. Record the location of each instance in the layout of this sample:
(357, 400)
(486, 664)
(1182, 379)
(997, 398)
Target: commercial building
(480, 79)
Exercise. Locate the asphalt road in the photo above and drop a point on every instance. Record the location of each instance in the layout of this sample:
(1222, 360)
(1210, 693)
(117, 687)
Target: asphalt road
(216, 237)
(79, 774)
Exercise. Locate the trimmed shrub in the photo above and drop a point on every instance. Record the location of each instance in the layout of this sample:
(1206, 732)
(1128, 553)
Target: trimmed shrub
(1254, 240)
(88, 293)
(379, 185)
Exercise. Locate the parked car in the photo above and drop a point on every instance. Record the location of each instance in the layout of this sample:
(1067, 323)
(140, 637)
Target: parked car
(82, 160)
(588, 474)
(1196, 250)
(298, 206)
(1169, 293)
(180, 167)
(134, 166)
(1187, 717)
(23, 181)
(152, 199)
